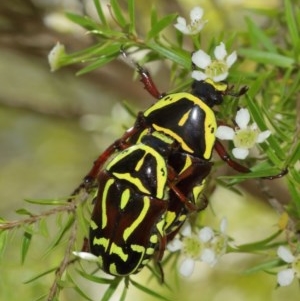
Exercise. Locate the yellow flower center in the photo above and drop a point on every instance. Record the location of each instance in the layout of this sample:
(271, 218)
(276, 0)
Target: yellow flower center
(192, 246)
(245, 138)
(216, 68)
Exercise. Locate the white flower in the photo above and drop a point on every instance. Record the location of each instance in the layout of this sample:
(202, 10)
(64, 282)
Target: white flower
(244, 136)
(216, 246)
(206, 245)
(216, 69)
(190, 246)
(196, 24)
(55, 55)
(285, 277)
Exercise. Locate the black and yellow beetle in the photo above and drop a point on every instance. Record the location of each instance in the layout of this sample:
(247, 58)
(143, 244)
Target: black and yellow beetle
(153, 181)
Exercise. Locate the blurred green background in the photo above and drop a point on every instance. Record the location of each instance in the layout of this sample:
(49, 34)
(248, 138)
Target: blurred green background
(53, 125)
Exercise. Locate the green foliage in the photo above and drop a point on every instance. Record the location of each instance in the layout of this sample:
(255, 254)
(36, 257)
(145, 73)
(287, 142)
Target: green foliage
(269, 67)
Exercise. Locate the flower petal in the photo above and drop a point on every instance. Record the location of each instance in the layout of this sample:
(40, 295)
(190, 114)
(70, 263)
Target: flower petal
(181, 21)
(242, 118)
(230, 60)
(198, 75)
(174, 245)
(224, 132)
(206, 234)
(209, 257)
(223, 225)
(186, 229)
(240, 153)
(220, 52)
(201, 59)
(181, 25)
(263, 136)
(220, 77)
(86, 256)
(196, 13)
(285, 277)
(285, 254)
(54, 56)
(187, 267)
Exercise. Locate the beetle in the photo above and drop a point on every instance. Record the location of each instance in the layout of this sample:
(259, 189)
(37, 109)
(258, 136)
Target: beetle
(176, 135)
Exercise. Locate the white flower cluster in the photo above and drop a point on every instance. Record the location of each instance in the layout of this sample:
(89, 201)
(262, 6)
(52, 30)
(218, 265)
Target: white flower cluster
(206, 245)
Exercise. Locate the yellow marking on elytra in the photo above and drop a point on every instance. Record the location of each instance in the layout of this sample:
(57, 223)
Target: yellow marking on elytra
(210, 126)
(102, 241)
(144, 262)
(113, 269)
(197, 191)
(128, 231)
(184, 118)
(115, 249)
(125, 197)
(104, 200)
(93, 225)
(153, 239)
(175, 136)
(170, 217)
(182, 218)
(187, 163)
(150, 251)
(137, 248)
(160, 226)
(135, 181)
(140, 163)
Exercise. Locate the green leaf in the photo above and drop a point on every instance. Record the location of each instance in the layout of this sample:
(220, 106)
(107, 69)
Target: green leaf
(106, 53)
(62, 232)
(260, 245)
(180, 57)
(100, 12)
(160, 25)
(77, 288)
(258, 36)
(56, 202)
(124, 293)
(131, 11)
(266, 57)
(111, 289)
(3, 241)
(117, 12)
(25, 245)
(41, 275)
(149, 291)
(23, 211)
(292, 24)
(42, 297)
(96, 279)
(95, 65)
(263, 266)
(83, 21)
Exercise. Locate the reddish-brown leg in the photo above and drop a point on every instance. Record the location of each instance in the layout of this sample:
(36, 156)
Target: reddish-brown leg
(146, 78)
(237, 166)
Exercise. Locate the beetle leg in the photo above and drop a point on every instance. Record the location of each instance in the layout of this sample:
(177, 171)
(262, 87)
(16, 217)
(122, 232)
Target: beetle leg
(172, 180)
(237, 166)
(146, 78)
(149, 85)
(118, 145)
